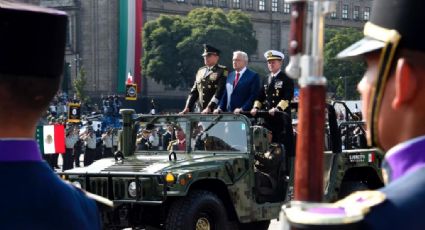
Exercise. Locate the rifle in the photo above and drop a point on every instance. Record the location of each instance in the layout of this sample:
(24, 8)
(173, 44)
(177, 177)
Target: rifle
(306, 65)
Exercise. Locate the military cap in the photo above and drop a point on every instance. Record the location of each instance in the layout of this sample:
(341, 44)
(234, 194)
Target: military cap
(149, 127)
(32, 40)
(210, 50)
(398, 22)
(274, 55)
(394, 24)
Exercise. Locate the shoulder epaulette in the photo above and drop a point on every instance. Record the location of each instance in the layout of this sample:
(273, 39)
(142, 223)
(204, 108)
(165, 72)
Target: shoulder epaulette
(222, 66)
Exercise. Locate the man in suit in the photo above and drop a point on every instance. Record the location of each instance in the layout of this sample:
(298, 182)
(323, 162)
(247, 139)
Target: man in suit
(242, 86)
(209, 83)
(32, 47)
(276, 94)
(167, 136)
(393, 101)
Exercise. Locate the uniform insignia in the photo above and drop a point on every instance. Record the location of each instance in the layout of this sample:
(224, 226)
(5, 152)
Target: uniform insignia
(278, 84)
(269, 54)
(213, 76)
(283, 104)
(225, 73)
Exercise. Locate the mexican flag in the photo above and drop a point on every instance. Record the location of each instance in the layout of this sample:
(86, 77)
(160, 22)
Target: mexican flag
(130, 42)
(51, 139)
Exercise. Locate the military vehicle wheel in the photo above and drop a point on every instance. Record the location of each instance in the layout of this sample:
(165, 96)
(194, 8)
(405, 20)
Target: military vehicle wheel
(200, 210)
(348, 187)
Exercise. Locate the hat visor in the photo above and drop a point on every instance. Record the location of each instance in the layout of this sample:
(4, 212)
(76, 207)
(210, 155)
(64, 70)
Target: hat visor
(274, 58)
(360, 48)
(208, 53)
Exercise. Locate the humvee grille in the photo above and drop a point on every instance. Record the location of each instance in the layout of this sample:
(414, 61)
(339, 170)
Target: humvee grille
(130, 166)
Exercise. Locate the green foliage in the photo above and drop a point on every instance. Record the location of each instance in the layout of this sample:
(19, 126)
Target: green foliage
(343, 76)
(173, 44)
(79, 83)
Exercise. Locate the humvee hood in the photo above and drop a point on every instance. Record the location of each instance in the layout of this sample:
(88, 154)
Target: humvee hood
(152, 163)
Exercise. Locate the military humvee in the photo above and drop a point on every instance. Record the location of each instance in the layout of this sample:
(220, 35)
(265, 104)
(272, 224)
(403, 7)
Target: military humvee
(206, 179)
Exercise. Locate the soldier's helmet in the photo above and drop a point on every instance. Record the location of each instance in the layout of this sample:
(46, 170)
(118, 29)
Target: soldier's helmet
(394, 25)
(261, 140)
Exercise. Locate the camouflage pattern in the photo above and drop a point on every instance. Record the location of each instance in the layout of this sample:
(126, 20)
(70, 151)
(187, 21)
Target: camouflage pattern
(227, 169)
(208, 87)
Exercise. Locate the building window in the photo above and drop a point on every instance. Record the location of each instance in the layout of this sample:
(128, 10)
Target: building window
(236, 4)
(261, 5)
(286, 8)
(249, 4)
(274, 5)
(366, 14)
(223, 3)
(356, 12)
(333, 14)
(209, 2)
(180, 0)
(344, 12)
(197, 2)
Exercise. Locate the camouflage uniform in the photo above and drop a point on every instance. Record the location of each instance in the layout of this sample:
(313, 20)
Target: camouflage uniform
(208, 87)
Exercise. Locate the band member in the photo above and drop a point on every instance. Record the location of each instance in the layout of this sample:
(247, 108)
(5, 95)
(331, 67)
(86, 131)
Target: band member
(32, 47)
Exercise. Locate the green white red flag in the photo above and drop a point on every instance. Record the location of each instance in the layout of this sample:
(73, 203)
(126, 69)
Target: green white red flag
(51, 139)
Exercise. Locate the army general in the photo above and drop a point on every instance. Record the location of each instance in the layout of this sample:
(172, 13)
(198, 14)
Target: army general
(209, 83)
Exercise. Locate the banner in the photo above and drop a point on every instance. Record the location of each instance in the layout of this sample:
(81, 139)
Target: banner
(130, 42)
(74, 112)
(131, 92)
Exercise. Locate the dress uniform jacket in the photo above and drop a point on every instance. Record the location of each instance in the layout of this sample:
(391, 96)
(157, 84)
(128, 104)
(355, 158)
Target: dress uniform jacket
(404, 205)
(274, 92)
(34, 197)
(208, 87)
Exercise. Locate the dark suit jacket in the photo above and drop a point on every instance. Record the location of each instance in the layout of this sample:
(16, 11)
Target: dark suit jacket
(34, 197)
(243, 95)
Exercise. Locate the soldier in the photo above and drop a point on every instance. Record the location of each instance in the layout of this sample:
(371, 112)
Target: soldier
(275, 94)
(70, 139)
(78, 148)
(180, 143)
(145, 139)
(90, 141)
(32, 47)
(393, 102)
(209, 83)
(278, 89)
(267, 166)
(107, 142)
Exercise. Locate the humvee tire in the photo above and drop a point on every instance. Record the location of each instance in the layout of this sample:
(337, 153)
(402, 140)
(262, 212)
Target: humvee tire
(199, 210)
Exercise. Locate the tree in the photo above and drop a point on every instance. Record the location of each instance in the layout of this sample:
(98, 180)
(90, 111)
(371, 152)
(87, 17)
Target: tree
(342, 75)
(79, 83)
(173, 44)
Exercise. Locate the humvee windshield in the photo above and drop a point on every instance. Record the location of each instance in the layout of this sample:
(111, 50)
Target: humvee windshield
(197, 135)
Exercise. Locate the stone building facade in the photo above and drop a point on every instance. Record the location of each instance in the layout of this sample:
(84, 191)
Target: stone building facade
(93, 34)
